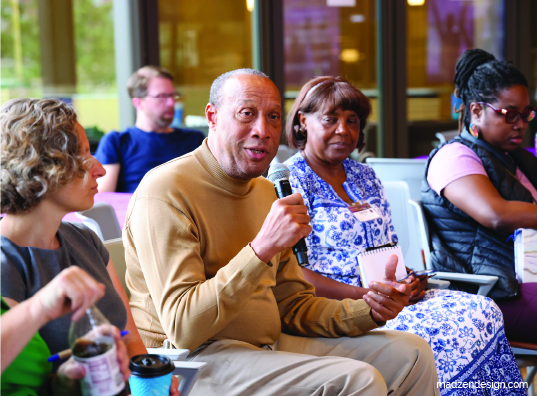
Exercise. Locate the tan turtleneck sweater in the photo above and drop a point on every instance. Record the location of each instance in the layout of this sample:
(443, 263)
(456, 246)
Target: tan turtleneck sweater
(193, 276)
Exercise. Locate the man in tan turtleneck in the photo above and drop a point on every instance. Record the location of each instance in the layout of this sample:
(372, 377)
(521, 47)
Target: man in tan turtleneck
(209, 267)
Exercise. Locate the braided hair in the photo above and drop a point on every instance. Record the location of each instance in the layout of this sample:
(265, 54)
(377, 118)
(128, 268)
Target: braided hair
(480, 77)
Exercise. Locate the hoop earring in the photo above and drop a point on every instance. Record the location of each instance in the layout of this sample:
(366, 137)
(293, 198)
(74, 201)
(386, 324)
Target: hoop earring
(474, 131)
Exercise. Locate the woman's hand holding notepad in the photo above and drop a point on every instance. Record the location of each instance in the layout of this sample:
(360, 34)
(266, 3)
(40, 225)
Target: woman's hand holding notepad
(387, 297)
(371, 264)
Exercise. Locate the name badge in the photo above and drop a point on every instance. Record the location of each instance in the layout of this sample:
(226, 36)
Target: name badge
(363, 211)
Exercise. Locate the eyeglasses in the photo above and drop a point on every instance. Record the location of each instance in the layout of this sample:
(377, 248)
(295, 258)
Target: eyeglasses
(512, 116)
(174, 96)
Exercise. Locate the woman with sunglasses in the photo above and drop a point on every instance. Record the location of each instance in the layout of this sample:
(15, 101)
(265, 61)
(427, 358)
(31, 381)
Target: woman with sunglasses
(482, 186)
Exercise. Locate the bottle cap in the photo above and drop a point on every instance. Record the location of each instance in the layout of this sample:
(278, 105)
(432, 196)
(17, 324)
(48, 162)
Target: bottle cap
(151, 365)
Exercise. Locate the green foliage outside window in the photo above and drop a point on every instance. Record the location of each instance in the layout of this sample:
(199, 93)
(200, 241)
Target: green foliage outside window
(94, 43)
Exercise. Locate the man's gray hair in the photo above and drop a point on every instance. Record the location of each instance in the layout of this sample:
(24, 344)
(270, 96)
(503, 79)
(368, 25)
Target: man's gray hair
(216, 95)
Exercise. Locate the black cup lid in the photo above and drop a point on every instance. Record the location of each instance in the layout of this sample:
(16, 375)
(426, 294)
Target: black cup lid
(151, 365)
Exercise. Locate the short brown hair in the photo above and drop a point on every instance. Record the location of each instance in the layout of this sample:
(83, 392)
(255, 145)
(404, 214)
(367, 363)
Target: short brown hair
(40, 151)
(326, 93)
(137, 83)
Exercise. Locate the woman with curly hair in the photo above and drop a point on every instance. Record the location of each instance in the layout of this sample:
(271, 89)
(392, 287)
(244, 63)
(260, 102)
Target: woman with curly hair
(47, 172)
(481, 186)
(465, 331)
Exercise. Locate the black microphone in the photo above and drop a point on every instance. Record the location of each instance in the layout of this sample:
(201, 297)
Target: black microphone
(278, 174)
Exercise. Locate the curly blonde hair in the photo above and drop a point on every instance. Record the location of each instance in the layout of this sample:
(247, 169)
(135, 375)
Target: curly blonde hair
(40, 151)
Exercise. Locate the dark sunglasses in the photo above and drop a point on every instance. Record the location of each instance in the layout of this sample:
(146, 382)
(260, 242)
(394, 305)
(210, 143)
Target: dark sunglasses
(512, 116)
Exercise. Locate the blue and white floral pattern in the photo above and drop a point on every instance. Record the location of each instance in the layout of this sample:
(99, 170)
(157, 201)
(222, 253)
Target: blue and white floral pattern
(465, 331)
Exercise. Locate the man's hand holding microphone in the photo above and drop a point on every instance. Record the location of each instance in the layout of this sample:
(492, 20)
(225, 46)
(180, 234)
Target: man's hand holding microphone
(286, 223)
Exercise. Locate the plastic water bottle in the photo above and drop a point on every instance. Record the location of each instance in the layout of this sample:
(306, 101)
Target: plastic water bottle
(94, 347)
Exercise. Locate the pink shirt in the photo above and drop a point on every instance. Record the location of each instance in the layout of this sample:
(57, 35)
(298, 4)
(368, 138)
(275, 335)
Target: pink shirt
(456, 160)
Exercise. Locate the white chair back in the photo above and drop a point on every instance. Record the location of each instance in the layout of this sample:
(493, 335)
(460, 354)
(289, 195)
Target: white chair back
(423, 230)
(485, 282)
(284, 153)
(400, 169)
(117, 254)
(102, 219)
(405, 223)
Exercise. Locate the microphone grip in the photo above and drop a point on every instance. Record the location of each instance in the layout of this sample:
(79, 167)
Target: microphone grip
(300, 250)
(283, 189)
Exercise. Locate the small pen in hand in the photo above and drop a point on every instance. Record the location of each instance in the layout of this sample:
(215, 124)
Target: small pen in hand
(68, 352)
(428, 274)
(406, 277)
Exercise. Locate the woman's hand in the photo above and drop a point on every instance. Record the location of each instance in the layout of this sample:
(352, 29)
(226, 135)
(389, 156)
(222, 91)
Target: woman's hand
(122, 355)
(387, 298)
(70, 373)
(71, 290)
(418, 284)
(67, 377)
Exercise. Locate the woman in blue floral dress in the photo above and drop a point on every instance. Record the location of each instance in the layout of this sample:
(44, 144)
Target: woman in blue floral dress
(465, 331)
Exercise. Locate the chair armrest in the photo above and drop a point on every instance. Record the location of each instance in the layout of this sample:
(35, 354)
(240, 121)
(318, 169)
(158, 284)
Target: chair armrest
(485, 282)
(189, 371)
(437, 284)
(172, 354)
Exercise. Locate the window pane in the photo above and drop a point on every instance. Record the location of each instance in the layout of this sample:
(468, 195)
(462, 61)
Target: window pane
(438, 33)
(65, 49)
(198, 42)
(330, 40)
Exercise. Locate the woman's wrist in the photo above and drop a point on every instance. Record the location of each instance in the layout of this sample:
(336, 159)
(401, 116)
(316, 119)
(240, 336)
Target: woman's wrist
(34, 310)
(359, 292)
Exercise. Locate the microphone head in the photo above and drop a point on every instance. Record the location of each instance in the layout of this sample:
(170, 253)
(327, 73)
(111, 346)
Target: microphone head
(278, 172)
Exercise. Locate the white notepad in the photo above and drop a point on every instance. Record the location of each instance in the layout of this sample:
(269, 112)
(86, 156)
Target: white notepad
(373, 263)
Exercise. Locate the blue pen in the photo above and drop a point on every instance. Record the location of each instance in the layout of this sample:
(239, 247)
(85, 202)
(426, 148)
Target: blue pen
(406, 277)
(68, 352)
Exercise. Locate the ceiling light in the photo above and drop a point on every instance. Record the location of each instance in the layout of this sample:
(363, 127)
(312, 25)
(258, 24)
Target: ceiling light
(350, 55)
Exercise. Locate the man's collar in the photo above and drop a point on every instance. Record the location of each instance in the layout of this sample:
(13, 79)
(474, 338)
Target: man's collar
(228, 183)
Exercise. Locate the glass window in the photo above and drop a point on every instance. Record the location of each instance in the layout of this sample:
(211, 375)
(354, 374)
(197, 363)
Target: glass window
(330, 37)
(198, 42)
(62, 49)
(438, 32)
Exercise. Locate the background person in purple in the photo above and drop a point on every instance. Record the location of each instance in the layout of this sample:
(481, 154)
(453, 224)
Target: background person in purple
(128, 155)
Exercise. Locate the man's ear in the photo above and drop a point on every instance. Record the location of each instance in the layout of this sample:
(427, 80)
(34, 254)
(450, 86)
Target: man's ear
(210, 115)
(137, 103)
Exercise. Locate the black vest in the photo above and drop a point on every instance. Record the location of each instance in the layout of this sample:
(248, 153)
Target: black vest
(461, 244)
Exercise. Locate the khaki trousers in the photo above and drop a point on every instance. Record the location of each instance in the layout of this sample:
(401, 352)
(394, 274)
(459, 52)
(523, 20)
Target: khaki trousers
(377, 363)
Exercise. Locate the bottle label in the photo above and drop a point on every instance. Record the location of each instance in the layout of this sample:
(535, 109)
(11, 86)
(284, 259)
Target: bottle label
(103, 377)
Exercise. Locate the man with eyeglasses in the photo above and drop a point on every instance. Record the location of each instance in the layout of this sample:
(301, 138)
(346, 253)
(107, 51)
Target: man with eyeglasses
(128, 155)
